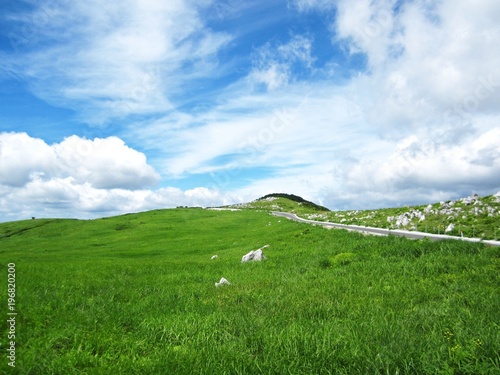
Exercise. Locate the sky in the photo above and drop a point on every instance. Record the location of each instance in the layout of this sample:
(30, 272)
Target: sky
(109, 107)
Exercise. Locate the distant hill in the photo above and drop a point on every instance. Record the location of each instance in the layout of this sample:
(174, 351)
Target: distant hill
(295, 198)
(282, 202)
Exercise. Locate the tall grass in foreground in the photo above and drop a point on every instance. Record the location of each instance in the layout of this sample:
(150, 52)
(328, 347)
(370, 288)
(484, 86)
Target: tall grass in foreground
(135, 295)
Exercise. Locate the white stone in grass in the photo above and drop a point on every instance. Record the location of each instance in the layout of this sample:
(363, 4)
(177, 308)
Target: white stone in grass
(450, 228)
(222, 281)
(214, 257)
(254, 255)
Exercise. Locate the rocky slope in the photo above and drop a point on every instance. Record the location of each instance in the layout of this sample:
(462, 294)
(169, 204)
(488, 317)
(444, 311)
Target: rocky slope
(472, 216)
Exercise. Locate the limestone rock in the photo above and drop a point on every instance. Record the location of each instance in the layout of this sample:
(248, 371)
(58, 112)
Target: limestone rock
(222, 281)
(254, 255)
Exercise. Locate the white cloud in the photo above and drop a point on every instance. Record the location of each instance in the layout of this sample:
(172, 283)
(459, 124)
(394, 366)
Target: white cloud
(307, 5)
(83, 178)
(430, 94)
(274, 76)
(22, 157)
(62, 197)
(115, 59)
(274, 65)
(368, 26)
(468, 165)
(420, 125)
(103, 163)
(242, 132)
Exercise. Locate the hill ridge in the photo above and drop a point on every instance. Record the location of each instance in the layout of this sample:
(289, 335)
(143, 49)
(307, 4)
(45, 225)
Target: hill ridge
(294, 198)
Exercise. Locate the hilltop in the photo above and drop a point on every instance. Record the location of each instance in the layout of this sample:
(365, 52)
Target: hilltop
(281, 202)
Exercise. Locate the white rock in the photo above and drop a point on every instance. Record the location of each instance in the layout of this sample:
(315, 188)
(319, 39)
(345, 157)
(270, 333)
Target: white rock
(214, 257)
(222, 281)
(402, 221)
(254, 255)
(449, 228)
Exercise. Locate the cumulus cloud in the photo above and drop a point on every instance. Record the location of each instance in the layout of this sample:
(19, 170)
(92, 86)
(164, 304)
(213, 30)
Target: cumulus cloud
(22, 157)
(414, 163)
(83, 178)
(103, 163)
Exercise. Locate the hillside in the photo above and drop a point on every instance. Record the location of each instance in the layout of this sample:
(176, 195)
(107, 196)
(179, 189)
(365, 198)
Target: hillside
(472, 216)
(282, 202)
(135, 294)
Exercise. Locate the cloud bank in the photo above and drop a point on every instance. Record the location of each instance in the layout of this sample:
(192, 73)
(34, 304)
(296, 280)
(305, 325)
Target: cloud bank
(82, 178)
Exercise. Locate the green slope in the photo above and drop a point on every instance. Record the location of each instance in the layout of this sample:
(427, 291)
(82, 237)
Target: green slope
(283, 203)
(473, 216)
(135, 294)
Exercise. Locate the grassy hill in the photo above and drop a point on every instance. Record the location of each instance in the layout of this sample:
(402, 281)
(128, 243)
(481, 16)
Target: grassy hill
(472, 216)
(282, 202)
(135, 294)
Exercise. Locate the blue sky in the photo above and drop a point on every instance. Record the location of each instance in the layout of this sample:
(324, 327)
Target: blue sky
(113, 107)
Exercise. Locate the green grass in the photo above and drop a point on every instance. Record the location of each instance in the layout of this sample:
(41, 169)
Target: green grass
(135, 294)
(479, 220)
(279, 202)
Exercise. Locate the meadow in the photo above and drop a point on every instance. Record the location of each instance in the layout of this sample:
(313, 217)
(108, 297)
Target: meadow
(135, 294)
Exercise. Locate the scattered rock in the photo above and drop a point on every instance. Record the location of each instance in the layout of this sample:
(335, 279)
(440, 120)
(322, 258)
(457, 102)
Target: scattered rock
(214, 257)
(254, 255)
(222, 281)
(402, 221)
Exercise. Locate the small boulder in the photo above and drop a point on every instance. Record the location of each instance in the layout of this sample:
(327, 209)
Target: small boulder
(254, 255)
(222, 281)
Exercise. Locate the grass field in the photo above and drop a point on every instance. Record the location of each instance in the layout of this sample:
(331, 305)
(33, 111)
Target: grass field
(135, 294)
